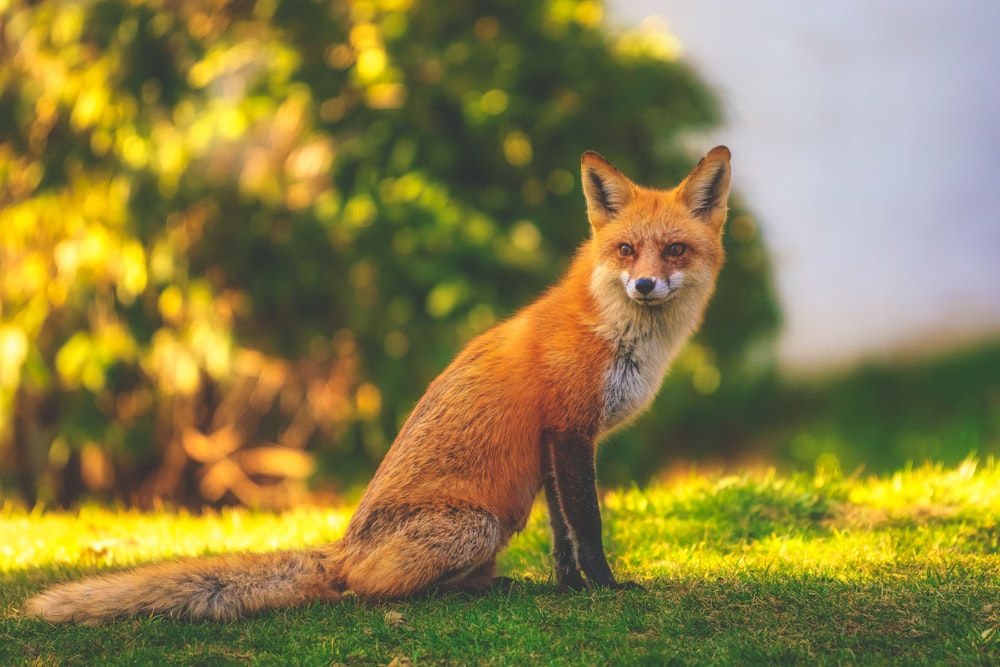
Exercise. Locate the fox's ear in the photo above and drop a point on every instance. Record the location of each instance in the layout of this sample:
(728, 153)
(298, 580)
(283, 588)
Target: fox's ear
(706, 189)
(607, 190)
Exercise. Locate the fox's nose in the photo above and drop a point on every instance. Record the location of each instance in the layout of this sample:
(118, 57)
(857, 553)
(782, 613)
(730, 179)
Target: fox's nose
(645, 285)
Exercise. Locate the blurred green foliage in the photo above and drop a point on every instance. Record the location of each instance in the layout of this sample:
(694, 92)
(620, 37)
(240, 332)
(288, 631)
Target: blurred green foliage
(232, 232)
(880, 416)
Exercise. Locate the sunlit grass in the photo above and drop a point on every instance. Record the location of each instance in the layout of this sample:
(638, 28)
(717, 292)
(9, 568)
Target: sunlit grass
(910, 524)
(758, 567)
(96, 537)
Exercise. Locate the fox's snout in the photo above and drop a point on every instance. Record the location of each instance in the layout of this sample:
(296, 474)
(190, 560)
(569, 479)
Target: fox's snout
(651, 290)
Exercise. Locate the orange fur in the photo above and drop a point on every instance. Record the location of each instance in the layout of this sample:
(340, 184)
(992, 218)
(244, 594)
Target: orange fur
(519, 409)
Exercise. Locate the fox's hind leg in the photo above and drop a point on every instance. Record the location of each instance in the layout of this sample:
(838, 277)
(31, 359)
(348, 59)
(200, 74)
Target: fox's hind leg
(483, 580)
(446, 546)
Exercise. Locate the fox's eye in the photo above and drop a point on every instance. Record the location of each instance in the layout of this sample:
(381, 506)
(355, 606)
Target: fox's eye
(625, 250)
(676, 249)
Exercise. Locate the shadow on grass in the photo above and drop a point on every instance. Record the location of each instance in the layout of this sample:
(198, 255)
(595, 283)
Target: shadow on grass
(753, 617)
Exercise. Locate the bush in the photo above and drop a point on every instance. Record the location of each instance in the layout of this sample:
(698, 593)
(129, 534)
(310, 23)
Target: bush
(239, 238)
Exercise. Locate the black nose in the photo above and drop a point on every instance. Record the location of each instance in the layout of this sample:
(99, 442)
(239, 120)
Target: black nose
(645, 285)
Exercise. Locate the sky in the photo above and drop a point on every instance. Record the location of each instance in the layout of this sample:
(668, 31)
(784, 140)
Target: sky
(866, 140)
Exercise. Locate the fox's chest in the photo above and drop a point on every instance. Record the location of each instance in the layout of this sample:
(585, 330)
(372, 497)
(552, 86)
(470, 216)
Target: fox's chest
(638, 366)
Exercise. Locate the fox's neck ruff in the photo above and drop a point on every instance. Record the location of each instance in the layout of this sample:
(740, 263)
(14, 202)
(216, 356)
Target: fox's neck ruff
(643, 340)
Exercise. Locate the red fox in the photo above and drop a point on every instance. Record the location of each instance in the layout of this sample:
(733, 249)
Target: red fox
(520, 409)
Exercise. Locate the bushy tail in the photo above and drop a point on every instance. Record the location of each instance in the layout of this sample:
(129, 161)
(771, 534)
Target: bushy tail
(220, 588)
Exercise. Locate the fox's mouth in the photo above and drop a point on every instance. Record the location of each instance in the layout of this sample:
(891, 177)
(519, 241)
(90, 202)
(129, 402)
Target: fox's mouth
(650, 301)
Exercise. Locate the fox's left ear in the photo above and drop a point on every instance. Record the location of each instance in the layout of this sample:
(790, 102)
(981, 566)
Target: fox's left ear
(706, 189)
(607, 190)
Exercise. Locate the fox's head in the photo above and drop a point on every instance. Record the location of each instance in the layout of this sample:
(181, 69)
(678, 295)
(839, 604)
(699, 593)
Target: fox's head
(654, 245)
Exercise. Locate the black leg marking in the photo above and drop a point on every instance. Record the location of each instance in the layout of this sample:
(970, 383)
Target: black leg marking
(575, 478)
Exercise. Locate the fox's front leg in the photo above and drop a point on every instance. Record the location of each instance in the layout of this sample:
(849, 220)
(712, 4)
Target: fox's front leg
(563, 550)
(574, 481)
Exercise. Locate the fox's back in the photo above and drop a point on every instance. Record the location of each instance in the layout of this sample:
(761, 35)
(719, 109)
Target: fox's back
(476, 433)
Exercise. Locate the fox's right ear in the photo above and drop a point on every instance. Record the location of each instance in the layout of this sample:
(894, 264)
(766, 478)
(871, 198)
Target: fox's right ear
(607, 190)
(706, 189)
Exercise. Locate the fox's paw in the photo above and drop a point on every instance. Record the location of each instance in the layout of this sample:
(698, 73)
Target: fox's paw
(572, 581)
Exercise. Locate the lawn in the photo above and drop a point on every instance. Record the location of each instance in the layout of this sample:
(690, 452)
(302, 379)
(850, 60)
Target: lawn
(755, 569)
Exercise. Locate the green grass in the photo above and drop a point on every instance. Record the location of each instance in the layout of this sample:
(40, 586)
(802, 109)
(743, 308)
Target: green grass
(757, 569)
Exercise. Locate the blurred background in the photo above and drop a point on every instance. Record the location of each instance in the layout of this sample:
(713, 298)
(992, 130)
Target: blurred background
(238, 239)
(869, 138)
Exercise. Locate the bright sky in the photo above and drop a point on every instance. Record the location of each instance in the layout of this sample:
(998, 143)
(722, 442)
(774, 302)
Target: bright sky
(866, 139)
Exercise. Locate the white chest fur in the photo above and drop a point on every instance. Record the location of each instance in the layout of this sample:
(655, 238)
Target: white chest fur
(644, 342)
(637, 369)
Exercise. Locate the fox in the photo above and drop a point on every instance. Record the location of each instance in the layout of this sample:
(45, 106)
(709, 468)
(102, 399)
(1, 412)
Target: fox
(517, 413)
